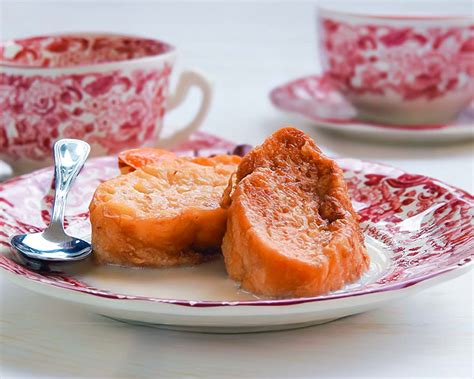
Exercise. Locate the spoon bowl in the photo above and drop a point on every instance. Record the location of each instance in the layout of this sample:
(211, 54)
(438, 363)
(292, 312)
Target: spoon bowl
(39, 246)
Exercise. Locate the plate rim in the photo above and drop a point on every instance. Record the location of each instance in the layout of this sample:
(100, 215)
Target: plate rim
(466, 262)
(464, 266)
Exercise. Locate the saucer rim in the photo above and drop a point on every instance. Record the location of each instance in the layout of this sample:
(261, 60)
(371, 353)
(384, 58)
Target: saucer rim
(354, 122)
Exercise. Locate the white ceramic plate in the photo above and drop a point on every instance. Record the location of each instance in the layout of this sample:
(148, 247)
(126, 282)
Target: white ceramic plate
(419, 232)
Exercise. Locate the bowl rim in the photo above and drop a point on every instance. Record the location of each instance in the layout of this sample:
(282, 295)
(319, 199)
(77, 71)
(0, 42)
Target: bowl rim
(325, 10)
(168, 54)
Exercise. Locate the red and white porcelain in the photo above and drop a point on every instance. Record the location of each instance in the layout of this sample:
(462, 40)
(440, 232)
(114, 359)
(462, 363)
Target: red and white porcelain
(317, 99)
(419, 232)
(403, 69)
(109, 90)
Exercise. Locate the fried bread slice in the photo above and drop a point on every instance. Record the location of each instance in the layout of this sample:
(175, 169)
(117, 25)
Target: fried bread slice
(162, 215)
(291, 228)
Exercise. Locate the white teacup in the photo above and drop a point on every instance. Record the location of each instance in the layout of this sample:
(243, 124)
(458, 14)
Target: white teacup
(109, 90)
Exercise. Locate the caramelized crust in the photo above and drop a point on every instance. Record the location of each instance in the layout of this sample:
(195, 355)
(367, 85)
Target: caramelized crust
(130, 160)
(161, 215)
(291, 229)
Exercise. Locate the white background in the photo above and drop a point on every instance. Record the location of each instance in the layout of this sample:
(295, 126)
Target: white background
(247, 48)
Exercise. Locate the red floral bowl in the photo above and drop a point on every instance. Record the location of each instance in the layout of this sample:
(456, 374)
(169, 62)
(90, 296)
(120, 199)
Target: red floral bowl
(400, 68)
(109, 90)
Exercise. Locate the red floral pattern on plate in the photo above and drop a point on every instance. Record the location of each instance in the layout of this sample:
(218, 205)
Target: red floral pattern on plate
(77, 50)
(112, 110)
(414, 62)
(426, 225)
(317, 98)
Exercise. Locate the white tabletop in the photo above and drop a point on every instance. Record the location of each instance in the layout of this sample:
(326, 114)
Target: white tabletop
(247, 48)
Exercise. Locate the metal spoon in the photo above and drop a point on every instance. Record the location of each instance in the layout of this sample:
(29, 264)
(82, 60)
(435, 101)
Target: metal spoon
(53, 244)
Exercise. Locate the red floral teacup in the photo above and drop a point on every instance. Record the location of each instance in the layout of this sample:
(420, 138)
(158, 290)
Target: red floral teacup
(401, 68)
(109, 90)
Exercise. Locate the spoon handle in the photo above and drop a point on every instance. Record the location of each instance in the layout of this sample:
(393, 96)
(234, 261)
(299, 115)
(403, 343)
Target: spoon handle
(69, 158)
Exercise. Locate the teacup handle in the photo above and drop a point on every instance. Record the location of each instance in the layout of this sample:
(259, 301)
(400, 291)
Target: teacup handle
(187, 80)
